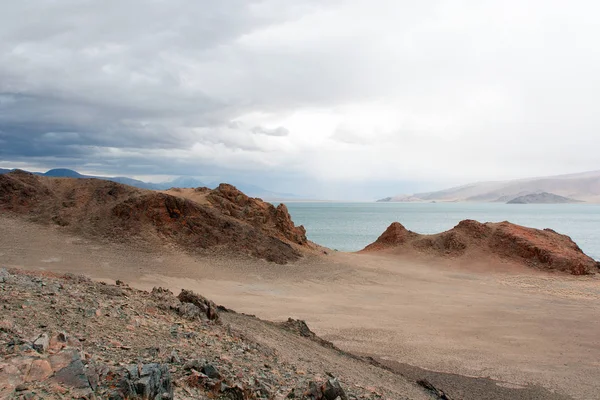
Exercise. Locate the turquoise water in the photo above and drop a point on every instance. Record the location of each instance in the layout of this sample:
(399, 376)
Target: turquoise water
(351, 226)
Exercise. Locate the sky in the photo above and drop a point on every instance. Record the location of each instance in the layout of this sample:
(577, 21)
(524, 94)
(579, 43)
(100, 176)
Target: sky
(343, 99)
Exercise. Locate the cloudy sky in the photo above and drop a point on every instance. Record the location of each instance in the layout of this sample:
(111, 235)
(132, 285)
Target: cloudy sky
(338, 99)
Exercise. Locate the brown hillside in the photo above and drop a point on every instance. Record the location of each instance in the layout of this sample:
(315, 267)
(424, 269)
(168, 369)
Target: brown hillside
(228, 219)
(544, 249)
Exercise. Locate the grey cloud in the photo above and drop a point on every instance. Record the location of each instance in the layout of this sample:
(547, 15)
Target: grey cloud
(484, 89)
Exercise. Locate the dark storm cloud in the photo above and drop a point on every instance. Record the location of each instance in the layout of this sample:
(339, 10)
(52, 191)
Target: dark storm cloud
(76, 76)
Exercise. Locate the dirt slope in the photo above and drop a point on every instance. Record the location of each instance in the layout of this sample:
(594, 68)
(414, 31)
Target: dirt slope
(64, 336)
(543, 249)
(227, 219)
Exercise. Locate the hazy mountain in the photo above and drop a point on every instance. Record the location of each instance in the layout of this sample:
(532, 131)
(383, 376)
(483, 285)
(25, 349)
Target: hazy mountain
(62, 173)
(69, 173)
(400, 199)
(583, 186)
(181, 182)
(542, 198)
(256, 191)
(185, 182)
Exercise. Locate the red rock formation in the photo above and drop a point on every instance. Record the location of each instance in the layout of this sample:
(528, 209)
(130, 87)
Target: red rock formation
(544, 249)
(231, 221)
(396, 234)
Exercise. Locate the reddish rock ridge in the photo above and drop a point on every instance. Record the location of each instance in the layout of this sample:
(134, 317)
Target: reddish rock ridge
(256, 212)
(544, 249)
(230, 220)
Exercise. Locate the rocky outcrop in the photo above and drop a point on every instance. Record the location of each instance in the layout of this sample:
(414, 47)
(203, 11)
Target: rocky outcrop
(396, 234)
(299, 327)
(544, 249)
(206, 306)
(141, 381)
(229, 220)
(20, 190)
(258, 213)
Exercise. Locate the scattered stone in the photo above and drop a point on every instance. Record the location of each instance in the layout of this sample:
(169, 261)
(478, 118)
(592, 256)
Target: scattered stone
(73, 374)
(4, 275)
(110, 290)
(80, 362)
(330, 390)
(174, 358)
(333, 390)
(148, 381)
(194, 364)
(211, 371)
(21, 387)
(40, 370)
(8, 326)
(40, 344)
(314, 391)
(190, 311)
(235, 393)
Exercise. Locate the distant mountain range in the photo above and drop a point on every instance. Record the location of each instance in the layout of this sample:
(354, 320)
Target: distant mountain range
(582, 187)
(181, 182)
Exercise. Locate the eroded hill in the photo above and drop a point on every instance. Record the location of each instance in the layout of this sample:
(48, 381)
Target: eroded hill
(226, 220)
(544, 249)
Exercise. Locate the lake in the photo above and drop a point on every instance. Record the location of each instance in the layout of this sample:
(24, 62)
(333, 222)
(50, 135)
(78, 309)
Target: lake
(351, 226)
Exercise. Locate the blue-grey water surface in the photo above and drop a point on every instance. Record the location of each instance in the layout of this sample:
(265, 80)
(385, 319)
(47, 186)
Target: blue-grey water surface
(351, 226)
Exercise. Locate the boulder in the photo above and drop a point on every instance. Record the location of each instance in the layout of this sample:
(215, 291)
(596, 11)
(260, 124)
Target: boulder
(333, 390)
(40, 344)
(205, 305)
(144, 381)
(69, 369)
(330, 390)
(190, 311)
(211, 371)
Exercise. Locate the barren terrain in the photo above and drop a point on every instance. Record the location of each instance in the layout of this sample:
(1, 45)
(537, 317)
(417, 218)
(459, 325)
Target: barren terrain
(533, 333)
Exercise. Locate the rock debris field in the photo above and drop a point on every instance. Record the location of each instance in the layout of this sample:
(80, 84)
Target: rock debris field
(64, 336)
